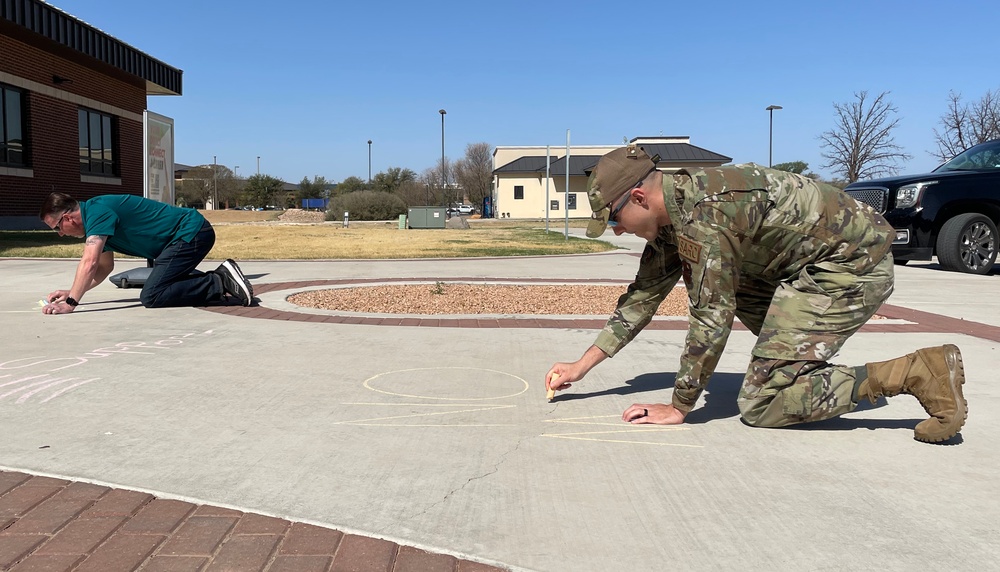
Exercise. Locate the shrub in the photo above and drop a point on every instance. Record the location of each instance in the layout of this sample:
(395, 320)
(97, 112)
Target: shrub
(366, 205)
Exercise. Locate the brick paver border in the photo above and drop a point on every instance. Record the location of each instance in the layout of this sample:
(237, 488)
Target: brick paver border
(51, 524)
(918, 321)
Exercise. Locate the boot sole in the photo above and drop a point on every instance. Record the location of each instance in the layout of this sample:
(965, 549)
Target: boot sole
(956, 378)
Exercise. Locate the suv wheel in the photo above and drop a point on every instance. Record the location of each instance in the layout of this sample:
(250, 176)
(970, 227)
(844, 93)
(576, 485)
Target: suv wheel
(968, 243)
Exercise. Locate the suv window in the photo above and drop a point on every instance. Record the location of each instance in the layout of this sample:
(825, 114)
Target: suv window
(983, 156)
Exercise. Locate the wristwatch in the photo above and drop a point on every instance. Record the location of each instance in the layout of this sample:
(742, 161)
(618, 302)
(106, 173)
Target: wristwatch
(72, 302)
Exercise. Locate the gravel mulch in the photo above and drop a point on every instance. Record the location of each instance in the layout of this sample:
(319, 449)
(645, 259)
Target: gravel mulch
(502, 299)
(497, 299)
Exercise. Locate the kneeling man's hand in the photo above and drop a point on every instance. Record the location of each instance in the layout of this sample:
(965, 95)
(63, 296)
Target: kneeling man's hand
(656, 413)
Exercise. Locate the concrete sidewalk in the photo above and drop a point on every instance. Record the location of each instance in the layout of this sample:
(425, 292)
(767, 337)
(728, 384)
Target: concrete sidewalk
(439, 439)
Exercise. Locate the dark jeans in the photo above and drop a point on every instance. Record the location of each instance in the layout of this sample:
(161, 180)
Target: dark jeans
(175, 280)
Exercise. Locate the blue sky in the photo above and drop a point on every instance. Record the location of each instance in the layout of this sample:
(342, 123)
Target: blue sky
(305, 85)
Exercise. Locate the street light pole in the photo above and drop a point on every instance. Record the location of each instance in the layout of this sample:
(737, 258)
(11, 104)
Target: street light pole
(258, 164)
(215, 183)
(770, 132)
(369, 162)
(444, 180)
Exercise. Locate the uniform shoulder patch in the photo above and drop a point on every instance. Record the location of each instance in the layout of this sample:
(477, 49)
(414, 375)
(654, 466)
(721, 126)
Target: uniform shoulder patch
(688, 249)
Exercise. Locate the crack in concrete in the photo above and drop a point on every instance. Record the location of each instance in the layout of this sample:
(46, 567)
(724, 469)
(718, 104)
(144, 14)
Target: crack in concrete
(496, 468)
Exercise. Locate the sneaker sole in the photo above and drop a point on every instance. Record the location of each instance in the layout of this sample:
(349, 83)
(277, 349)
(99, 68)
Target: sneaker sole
(241, 281)
(956, 378)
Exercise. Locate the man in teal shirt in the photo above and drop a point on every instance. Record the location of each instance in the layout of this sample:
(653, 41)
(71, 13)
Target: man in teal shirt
(175, 239)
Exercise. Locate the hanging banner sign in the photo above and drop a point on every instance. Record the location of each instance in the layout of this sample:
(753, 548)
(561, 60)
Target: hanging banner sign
(158, 151)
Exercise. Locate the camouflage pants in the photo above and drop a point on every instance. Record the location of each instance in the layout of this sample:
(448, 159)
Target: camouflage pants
(800, 324)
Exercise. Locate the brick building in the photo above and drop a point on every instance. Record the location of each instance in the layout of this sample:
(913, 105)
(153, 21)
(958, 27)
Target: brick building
(71, 109)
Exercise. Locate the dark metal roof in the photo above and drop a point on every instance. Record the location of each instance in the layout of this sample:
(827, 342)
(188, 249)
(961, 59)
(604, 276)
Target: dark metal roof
(682, 153)
(52, 23)
(669, 153)
(524, 165)
(578, 165)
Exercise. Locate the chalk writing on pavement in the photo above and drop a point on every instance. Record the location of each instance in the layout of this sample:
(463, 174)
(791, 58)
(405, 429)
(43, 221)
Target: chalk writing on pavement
(45, 378)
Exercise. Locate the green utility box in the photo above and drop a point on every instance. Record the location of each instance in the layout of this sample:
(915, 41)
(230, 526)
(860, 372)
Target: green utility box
(426, 217)
(402, 222)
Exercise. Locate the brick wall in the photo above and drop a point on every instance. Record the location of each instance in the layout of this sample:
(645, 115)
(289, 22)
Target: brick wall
(52, 127)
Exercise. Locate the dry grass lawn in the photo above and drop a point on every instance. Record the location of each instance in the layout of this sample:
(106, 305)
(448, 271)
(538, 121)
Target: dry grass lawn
(368, 242)
(249, 235)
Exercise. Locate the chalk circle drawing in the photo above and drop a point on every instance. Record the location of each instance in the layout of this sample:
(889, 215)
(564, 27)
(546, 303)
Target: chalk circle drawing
(448, 384)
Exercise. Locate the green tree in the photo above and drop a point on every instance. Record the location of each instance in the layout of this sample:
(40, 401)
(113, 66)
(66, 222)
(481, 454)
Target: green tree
(350, 185)
(797, 167)
(366, 205)
(392, 179)
(315, 189)
(263, 190)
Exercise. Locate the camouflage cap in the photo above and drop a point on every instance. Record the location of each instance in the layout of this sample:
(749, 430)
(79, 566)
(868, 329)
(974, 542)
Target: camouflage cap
(615, 174)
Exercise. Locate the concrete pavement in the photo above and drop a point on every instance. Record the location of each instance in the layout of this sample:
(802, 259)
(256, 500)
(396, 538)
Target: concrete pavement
(440, 439)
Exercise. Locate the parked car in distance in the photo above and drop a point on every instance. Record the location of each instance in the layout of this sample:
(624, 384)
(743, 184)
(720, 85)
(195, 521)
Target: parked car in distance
(461, 209)
(952, 212)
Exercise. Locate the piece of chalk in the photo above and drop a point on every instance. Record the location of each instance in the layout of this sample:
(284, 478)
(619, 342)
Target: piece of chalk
(551, 393)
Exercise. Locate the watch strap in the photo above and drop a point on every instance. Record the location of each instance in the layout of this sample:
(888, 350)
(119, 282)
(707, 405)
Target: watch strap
(72, 302)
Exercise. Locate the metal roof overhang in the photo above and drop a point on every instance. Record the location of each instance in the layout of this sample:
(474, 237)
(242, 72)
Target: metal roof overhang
(40, 24)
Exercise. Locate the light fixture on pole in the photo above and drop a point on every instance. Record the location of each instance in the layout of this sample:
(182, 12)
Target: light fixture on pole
(444, 180)
(770, 132)
(369, 162)
(258, 164)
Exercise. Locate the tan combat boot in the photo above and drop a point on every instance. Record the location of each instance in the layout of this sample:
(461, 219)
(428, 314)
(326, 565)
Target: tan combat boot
(935, 377)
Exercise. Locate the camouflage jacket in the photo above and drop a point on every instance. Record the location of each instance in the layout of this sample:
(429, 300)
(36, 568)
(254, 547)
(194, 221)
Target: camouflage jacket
(733, 222)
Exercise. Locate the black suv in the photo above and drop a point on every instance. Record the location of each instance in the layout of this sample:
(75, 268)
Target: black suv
(951, 212)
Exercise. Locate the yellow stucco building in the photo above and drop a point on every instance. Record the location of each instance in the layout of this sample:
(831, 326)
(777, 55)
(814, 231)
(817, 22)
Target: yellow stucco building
(522, 189)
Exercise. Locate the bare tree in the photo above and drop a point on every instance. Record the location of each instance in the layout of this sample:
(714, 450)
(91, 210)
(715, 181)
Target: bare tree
(415, 193)
(228, 186)
(430, 178)
(474, 172)
(444, 172)
(965, 125)
(861, 145)
(438, 180)
(203, 183)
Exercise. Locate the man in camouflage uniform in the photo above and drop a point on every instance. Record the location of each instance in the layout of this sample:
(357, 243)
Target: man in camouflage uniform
(800, 263)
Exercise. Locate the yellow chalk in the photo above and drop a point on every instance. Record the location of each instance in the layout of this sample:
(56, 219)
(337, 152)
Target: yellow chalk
(551, 393)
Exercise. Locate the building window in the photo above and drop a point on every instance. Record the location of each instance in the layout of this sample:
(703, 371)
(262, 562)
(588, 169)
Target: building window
(98, 143)
(518, 192)
(13, 148)
(553, 205)
(571, 201)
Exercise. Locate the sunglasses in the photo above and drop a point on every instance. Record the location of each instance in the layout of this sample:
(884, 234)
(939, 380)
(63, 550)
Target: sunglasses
(613, 217)
(58, 226)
